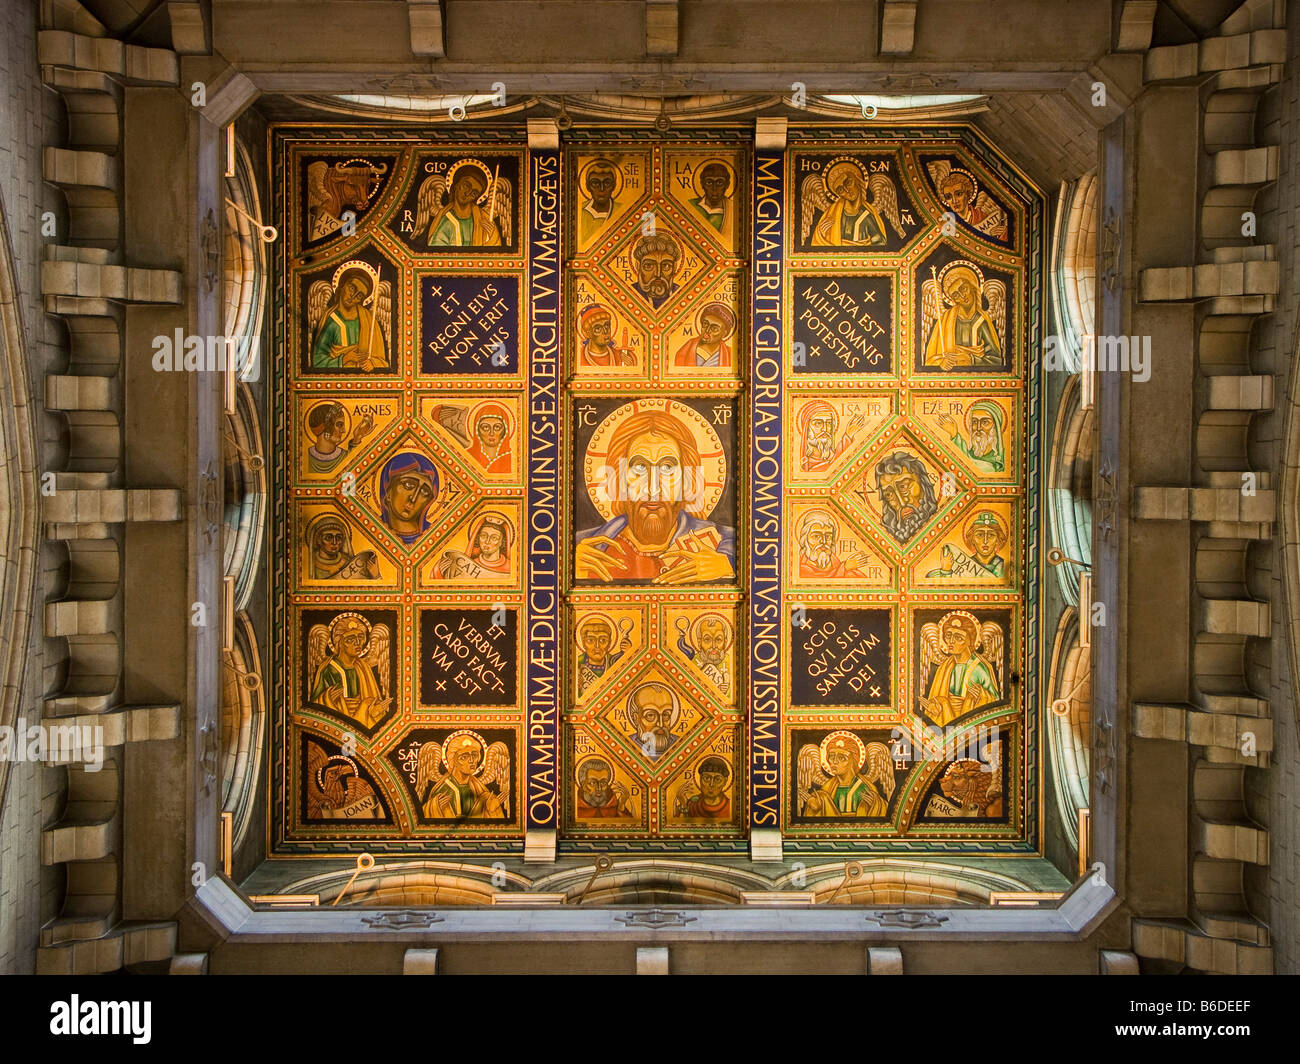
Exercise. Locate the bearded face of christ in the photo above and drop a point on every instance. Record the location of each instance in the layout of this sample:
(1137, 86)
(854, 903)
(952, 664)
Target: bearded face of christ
(654, 484)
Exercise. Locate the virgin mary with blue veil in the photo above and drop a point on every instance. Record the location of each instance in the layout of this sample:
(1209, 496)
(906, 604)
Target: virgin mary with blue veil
(408, 486)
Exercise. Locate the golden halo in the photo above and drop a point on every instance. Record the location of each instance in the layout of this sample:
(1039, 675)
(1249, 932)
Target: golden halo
(858, 743)
(320, 772)
(364, 267)
(347, 418)
(346, 616)
(375, 173)
(731, 174)
(602, 161)
(855, 163)
(979, 274)
(482, 746)
(487, 176)
(586, 619)
(602, 479)
(726, 627)
(503, 411)
(975, 185)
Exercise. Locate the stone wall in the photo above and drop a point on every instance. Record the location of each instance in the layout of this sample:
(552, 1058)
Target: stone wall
(1275, 797)
(30, 117)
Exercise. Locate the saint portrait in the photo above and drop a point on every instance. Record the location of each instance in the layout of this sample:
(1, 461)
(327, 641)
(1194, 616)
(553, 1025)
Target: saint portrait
(959, 332)
(982, 442)
(490, 424)
(818, 536)
(708, 349)
(844, 777)
(327, 428)
(467, 206)
(484, 430)
(463, 778)
(408, 486)
(328, 542)
(705, 794)
(819, 444)
(706, 644)
(350, 318)
(845, 207)
(599, 185)
(906, 493)
(962, 195)
(489, 543)
(348, 668)
(601, 646)
(652, 711)
(597, 343)
(655, 261)
(960, 667)
(715, 185)
(984, 536)
(655, 491)
(600, 796)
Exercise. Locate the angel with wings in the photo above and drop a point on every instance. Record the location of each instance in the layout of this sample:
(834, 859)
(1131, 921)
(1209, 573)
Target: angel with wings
(467, 206)
(845, 777)
(959, 332)
(349, 667)
(475, 785)
(351, 319)
(846, 215)
(962, 195)
(967, 661)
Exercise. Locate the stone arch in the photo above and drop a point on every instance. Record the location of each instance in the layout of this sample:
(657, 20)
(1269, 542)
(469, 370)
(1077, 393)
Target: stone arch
(19, 506)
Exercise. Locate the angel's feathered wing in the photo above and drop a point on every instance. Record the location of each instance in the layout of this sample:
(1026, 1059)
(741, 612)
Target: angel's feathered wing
(318, 652)
(996, 294)
(931, 649)
(884, 197)
(991, 642)
(880, 768)
(428, 768)
(383, 308)
(377, 656)
(813, 198)
(428, 200)
(939, 170)
(318, 298)
(929, 308)
(809, 774)
(496, 769)
(499, 208)
(316, 193)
